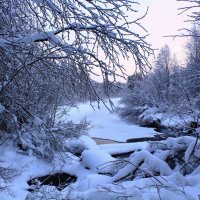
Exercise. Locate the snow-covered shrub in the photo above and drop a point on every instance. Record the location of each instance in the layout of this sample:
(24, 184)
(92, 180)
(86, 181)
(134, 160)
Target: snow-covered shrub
(44, 142)
(182, 154)
(78, 145)
(132, 102)
(46, 192)
(151, 117)
(163, 158)
(167, 96)
(6, 174)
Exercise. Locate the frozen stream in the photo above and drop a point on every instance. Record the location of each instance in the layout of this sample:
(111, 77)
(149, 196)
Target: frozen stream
(106, 125)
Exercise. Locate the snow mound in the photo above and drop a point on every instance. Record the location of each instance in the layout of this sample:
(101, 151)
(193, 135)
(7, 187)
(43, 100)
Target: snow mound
(93, 159)
(78, 145)
(92, 181)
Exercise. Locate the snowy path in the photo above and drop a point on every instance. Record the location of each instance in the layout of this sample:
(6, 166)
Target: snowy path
(106, 125)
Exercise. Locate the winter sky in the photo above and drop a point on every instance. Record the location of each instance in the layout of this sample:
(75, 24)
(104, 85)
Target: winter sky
(163, 18)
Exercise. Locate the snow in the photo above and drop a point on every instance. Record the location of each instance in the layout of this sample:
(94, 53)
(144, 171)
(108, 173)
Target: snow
(123, 147)
(153, 163)
(2, 108)
(37, 121)
(102, 194)
(101, 176)
(189, 151)
(198, 130)
(82, 143)
(106, 125)
(38, 1)
(166, 119)
(93, 159)
(53, 39)
(92, 181)
(91, 185)
(28, 167)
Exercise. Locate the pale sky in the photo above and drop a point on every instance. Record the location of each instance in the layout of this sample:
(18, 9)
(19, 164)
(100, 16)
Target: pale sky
(163, 19)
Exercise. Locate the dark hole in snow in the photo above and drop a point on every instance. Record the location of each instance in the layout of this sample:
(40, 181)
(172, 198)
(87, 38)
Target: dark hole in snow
(122, 155)
(22, 147)
(30, 189)
(59, 180)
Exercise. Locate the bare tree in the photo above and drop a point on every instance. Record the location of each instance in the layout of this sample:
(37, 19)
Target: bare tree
(193, 7)
(80, 31)
(50, 48)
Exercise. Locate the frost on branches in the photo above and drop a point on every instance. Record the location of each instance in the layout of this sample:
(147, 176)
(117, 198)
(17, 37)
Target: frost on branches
(49, 50)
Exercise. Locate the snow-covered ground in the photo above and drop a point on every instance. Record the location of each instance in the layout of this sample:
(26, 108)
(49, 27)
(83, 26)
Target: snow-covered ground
(144, 175)
(106, 125)
(168, 119)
